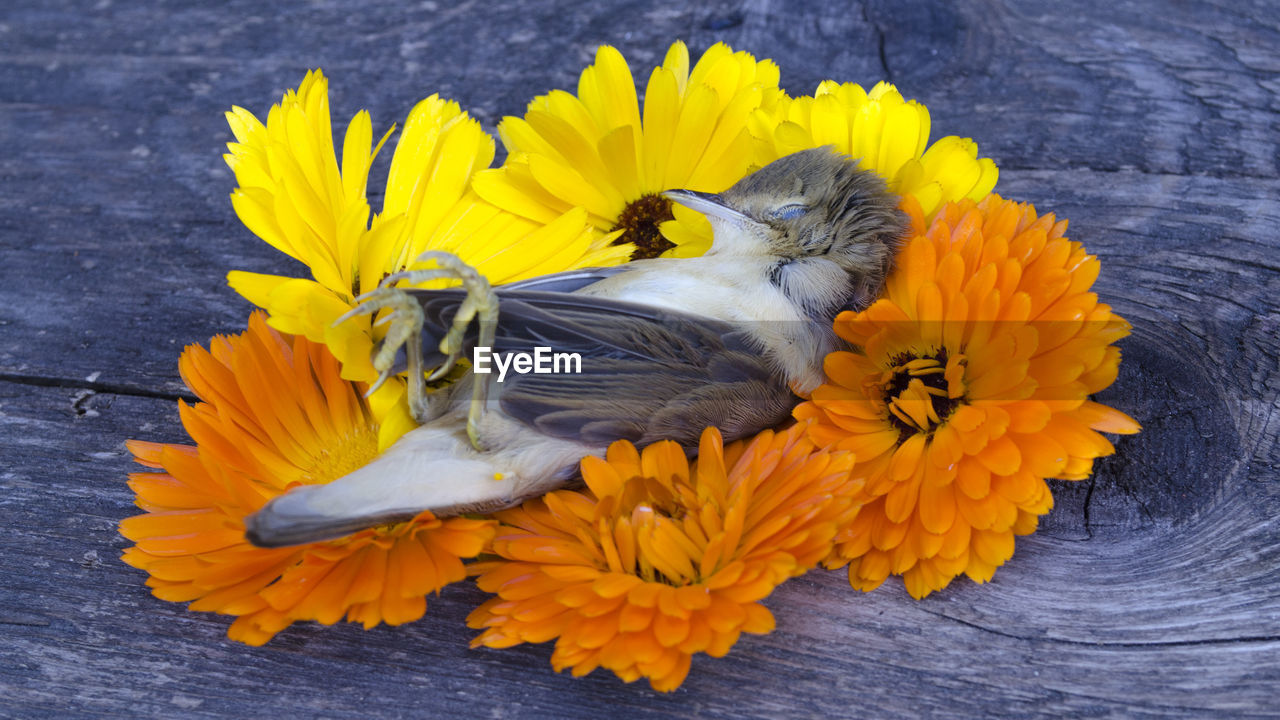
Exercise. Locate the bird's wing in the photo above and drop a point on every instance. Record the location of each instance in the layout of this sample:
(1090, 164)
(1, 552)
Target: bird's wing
(646, 373)
(567, 281)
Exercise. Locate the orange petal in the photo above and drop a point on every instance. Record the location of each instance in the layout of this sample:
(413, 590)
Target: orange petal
(901, 500)
(993, 547)
(907, 457)
(1001, 456)
(937, 507)
(973, 479)
(1106, 419)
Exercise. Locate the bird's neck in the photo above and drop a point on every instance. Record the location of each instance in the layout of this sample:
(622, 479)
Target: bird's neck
(818, 285)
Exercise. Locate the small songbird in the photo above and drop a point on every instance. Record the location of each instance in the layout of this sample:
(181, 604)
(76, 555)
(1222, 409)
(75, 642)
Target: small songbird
(667, 347)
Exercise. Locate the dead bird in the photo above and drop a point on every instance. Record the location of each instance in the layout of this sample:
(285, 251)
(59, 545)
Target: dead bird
(666, 346)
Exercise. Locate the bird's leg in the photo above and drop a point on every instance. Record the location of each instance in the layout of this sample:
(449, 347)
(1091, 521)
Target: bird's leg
(480, 303)
(405, 330)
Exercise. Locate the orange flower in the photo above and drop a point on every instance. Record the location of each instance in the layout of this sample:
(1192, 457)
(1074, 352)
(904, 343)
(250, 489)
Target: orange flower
(670, 560)
(971, 387)
(276, 413)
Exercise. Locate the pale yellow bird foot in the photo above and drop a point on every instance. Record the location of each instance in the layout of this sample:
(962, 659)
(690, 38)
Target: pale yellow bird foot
(480, 304)
(404, 330)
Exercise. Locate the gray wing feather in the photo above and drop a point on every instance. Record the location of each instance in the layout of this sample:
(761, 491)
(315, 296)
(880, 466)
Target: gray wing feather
(646, 373)
(567, 281)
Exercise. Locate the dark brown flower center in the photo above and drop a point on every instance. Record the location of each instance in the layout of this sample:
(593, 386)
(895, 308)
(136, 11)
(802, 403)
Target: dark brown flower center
(640, 220)
(916, 393)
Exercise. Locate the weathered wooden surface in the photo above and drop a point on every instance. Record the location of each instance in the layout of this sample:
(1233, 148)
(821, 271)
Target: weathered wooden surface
(1151, 590)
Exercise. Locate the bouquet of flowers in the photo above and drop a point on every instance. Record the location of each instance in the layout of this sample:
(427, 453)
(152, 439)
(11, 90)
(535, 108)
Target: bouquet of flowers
(954, 390)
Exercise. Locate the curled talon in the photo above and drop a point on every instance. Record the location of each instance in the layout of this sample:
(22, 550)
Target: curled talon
(439, 372)
(480, 304)
(392, 279)
(382, 378)
(404, 329)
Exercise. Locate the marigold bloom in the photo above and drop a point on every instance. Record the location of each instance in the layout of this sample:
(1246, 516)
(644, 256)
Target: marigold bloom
(889, 135)
(293, 195)
(668, 558)
(704, 129)
(970, 388)
(599, 151)
(275, 413)
(885, 132)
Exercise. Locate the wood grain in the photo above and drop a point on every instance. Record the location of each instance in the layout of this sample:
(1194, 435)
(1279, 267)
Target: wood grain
(1151, 589)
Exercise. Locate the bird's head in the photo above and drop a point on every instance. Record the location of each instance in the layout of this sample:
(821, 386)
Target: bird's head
(814, 203)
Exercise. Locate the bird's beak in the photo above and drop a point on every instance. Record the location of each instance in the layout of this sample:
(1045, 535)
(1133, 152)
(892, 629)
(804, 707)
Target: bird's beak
(709, 204)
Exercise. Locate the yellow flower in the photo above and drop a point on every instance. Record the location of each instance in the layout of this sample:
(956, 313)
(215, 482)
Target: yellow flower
(293, 195)
(972, 385)
(597, 150)
(275, 413)
(888, 135)
(667, 559)
(704, 129)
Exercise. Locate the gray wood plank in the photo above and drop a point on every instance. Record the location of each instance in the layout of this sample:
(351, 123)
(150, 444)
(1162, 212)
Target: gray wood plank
(1075, 624)
(1151, 589)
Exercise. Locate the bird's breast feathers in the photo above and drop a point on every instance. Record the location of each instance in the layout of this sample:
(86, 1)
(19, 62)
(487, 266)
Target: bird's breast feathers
(734, 289)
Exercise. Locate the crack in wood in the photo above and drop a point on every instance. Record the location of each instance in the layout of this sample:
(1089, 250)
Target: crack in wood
(78, 404)
(1246, 639)
(1015, 165)
(91, 388)
(1088, 497)
(880, 42)
(24, 621)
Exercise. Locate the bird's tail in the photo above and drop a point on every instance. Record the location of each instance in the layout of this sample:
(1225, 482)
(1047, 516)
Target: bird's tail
(430, 468)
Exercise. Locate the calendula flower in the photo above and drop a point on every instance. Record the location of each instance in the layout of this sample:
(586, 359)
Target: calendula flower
(293, 194)
(274, 413)
(971, 386)
(599, 151)
(665, 558)
(886, 133)
(704, 129)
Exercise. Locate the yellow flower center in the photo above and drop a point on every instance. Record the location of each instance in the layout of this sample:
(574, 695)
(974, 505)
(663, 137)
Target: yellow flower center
(640, 220)
(353, 450)
(921, 392)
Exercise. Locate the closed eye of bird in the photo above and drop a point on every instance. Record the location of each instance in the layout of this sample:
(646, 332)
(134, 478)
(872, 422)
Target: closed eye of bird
(667, 347)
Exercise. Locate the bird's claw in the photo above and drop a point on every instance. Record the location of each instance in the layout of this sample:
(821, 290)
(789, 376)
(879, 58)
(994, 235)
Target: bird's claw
(404, 330)
(406, 319)
(480, 302)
